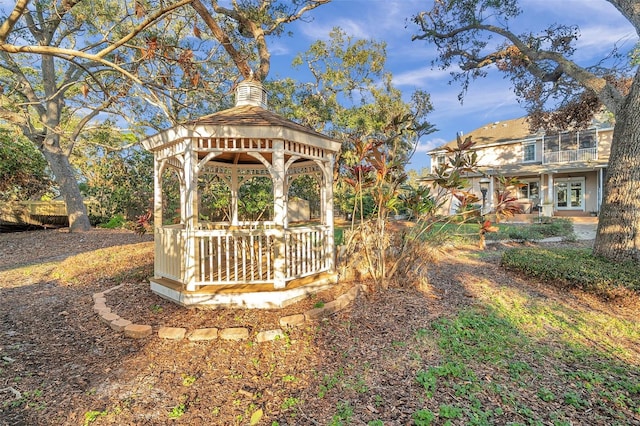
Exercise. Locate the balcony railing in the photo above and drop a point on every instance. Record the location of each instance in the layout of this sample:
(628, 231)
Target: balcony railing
(570, 156)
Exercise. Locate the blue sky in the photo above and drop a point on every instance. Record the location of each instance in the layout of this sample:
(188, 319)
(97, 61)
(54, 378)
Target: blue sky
(489, 99)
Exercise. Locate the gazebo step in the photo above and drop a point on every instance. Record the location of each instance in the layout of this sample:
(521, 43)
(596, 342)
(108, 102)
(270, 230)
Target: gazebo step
(256, 296)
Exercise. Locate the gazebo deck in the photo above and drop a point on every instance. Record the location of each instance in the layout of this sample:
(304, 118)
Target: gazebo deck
(262, 296)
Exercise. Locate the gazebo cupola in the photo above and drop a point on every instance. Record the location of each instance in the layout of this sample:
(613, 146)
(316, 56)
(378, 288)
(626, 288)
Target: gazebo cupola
(256, 264)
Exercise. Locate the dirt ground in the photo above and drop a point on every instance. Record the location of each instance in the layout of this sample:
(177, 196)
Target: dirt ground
(60, 365)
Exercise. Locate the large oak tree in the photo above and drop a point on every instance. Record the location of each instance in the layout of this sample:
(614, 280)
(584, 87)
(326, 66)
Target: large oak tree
(62, 66)
(67, 63)
(476, 35)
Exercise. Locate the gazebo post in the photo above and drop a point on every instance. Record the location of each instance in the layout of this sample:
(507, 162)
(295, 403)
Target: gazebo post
(158, 167)
(279, 214)
(190, 215)
(327, 206)
(234, 196)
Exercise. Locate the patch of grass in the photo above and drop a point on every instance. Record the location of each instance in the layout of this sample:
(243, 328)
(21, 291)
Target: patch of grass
(290, 403)
(546, 395)
(156, 309)
(329, 382)
(92, 416)
(188, 380)
(343, 414)
(177, 411)
(480, 335)
(450, 370)
(576, 268)
(424, 417)
(449, 411)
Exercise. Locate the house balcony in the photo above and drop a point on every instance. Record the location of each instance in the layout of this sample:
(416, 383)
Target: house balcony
(570, 156)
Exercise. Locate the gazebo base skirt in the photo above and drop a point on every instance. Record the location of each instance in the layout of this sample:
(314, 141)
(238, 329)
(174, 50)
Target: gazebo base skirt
(253, 296)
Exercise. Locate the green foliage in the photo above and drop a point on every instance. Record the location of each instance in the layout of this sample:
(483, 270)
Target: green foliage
(116, 222)
(120, 181)
(424, 417)
(523, 234)
(480, 335)
(215, 198)
(546, 395)
(575, 267)
(343, 414)
(255, 199)
(554, 227)
(449, 412)
(290, 403)
(23, 169)
(450, 370)
(92, 416)
(177, 411)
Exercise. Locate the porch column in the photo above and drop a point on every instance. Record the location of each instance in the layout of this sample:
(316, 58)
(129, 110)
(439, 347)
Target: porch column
(190, 209)
(547, 206)
(279, 214)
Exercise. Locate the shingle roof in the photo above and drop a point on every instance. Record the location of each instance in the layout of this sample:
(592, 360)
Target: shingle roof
(496, 132)
(250, 115)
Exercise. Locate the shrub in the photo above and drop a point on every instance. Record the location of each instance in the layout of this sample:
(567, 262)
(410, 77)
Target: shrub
(556, 227)
(116, 222)
(524, 234)
(537, 231)
(576, 268)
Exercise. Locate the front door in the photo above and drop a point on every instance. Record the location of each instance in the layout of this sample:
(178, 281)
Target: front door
(569, 194)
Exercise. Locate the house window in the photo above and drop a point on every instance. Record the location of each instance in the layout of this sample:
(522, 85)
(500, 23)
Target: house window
(440, 161)
(529, 190)
(529, 152)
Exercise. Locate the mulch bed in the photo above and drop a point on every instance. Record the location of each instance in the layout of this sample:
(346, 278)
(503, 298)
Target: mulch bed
(66, 363)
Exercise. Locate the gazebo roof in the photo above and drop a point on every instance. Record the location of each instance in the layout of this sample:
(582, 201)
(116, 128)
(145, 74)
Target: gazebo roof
(243, 121)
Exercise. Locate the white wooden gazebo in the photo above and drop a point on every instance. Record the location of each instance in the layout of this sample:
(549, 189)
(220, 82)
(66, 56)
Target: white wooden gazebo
(263, 264)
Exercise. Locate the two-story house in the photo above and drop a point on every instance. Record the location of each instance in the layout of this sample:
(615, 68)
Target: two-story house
(562, 173)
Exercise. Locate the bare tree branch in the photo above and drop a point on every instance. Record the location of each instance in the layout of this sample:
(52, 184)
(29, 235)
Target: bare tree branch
(7, 26)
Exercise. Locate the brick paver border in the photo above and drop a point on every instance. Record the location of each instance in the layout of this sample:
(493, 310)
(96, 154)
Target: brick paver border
(139, 331)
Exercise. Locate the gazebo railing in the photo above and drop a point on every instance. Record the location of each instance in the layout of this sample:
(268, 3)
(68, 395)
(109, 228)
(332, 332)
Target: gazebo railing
(240, 256)
(234, 257)
(305, 250)
(169, 252)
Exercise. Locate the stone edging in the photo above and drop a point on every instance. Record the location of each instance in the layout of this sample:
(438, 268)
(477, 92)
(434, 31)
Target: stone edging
(139, 331)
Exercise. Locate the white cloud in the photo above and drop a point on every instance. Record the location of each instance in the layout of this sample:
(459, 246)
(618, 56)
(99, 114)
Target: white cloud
(429, 144)
(278, 48)
(419, 77)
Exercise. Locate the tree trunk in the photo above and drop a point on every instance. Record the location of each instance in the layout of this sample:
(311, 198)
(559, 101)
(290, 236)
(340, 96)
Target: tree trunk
(618, 236)
(65, 178)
